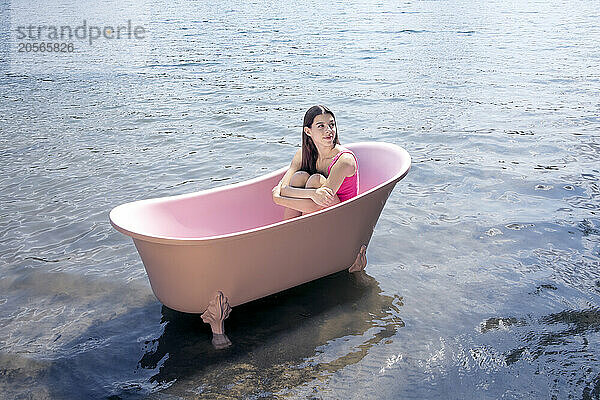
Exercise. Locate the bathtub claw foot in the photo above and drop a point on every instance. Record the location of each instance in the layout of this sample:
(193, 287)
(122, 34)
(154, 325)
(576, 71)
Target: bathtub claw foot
(218, 310)
(361, 260)
(220, 341)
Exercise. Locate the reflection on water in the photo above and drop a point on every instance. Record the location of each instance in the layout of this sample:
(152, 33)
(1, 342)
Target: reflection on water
(558, 343)
(279, 342)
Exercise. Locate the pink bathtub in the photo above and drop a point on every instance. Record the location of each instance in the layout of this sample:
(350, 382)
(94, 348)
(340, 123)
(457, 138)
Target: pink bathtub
(208, 251)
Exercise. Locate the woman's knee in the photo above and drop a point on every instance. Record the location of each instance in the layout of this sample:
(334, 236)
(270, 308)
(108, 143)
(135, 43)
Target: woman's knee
(299, 179)
(315, 181)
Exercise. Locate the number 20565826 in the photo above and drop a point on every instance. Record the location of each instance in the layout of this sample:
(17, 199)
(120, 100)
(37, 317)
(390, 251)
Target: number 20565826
(45, 47)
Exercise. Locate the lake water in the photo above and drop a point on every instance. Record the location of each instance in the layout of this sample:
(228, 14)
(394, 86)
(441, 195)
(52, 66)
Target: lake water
(483, 279)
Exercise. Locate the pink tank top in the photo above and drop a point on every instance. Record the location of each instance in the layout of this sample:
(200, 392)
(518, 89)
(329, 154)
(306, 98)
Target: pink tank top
(349, 187)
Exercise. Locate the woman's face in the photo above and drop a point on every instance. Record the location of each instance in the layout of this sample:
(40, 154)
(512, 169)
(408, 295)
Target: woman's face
(322, 131)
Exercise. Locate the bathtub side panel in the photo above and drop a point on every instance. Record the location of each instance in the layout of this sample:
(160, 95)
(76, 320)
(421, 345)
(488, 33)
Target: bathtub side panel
(254, 265)
(176, 280)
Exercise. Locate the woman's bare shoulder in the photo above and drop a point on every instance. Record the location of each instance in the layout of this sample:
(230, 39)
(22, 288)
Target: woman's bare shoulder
(347, 163)
(347, 155)
(297, 160)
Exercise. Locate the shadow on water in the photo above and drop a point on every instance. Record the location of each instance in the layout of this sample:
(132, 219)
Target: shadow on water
(278, 341)
(122, 348)
(67, 335)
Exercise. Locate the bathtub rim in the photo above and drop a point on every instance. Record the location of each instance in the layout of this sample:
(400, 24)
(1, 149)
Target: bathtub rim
(171, 240)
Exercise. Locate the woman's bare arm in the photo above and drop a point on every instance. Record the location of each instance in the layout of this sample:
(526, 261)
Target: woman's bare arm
(302, 199)
(298, 193)
(295, 166)
(299, 203)
(303, 205)
(344, 167)
(288, 191)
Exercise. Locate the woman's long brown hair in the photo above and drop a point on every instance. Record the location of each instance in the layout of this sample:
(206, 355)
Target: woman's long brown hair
(309, 150)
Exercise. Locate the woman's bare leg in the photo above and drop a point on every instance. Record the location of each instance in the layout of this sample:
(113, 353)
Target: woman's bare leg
(298, 181)
(315, 181)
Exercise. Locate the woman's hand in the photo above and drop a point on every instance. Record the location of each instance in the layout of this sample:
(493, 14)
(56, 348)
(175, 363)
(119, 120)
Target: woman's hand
(323, 196)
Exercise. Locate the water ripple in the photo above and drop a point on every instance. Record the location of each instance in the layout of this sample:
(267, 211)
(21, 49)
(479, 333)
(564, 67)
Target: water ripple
(483, 267)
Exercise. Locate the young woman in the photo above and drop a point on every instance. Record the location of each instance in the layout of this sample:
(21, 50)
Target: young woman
(322, 172)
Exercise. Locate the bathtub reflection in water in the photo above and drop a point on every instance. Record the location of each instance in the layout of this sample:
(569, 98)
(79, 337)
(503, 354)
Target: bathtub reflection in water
(280, 341)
